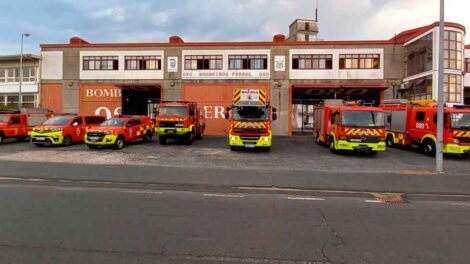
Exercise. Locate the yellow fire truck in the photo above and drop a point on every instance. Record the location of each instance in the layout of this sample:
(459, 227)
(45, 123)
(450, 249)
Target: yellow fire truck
(250, 118)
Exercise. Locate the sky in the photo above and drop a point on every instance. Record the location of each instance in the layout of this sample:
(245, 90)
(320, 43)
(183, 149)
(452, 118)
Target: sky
(56, 21)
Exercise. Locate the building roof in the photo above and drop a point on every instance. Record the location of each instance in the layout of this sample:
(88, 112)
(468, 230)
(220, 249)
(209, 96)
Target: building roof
(408, 35)
(16, 57)
(176, 41)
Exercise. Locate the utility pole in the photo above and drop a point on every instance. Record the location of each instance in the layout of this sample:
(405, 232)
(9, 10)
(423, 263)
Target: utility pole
(20, 96)
(440, 95)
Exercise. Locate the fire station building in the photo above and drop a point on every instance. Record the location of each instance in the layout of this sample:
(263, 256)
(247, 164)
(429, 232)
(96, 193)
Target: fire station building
(297, 72)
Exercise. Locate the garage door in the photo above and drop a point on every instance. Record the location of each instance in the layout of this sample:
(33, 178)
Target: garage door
(213, 98)
(100, 99)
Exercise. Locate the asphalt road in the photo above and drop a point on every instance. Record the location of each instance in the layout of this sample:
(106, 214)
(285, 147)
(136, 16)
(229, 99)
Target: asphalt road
(47, 224)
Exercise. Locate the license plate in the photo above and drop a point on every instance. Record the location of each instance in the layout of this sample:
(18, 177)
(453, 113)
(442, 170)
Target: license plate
(40, 139)
(93, 138)
(171, 131)
(249, 145)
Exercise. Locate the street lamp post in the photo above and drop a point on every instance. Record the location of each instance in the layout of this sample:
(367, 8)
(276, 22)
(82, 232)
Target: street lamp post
(20, 96)
(440, 95)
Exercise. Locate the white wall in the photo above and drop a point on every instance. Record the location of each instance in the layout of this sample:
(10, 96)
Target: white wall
(52, 65)
(26, 87)
(122, 74)
(335, 72)
(225, 73)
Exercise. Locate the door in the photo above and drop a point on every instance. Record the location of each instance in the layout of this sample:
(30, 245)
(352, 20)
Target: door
(78, 130)
(302, 116)
(14, 127)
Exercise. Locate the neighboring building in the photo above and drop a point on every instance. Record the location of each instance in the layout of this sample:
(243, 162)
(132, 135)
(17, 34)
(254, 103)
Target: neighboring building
(10, 77)
(131, 78)
(467, 75)
(303, 30)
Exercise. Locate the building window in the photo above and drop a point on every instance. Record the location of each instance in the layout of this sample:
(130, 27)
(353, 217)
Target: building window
(10, 101)
(359, 61)
(453, 88)
(248, 62)
(143, 62)
(199, 62)
(452, 50)
(418, 56)
(312, 62)
(100, 63)
(419, 89)
(467, 65)
(13, 74)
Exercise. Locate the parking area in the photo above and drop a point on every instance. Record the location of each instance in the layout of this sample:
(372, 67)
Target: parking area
(288, 153)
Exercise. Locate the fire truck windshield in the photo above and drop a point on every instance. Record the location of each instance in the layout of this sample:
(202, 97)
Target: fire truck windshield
(363, 119)
(460, 120)
(250, 113)
(114, 122)
(173, 111)
(58, 121)
(4, 118)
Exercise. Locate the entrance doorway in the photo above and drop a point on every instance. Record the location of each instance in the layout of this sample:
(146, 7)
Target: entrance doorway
(302, 115)
(140, 100)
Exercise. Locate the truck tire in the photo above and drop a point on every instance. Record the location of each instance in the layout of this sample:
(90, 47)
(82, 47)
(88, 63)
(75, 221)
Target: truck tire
(1, 137)
(428, 147)
(317, 139)
(200, 135)
(147, 137)
(162, 140)
(389, 141)
(189, 139)
(67, 141)
(120, 142)
(332, 147)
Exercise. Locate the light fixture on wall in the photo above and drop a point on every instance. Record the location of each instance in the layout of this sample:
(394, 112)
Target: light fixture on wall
(172, 84)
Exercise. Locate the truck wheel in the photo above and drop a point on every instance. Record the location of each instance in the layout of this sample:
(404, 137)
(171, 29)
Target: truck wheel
(1, 138)
(332, 146)
(189, 138)
(67, 141)
(390, 142)
(148, 137)
(120, 142)
(429, 147)
(317, 139)
(162, 140)
(200, 135)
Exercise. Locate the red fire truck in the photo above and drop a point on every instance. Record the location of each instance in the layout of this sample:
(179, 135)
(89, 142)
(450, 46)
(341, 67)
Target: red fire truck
(118, 131)
(18, 125)
(179, 120)
(349, 126)
(413, 123)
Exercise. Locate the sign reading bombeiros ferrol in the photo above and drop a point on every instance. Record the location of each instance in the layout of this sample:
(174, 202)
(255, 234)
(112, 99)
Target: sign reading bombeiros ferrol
(226, 74)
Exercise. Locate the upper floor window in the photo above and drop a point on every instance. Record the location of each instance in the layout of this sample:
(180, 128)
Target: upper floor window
(248, 62)
(143, 62)
(418, 55)
(312, 61)
(359, 61)
(467, 65)
(453, 50)
(13, 74)
(200, 62)
(100, 63)
(453, 88)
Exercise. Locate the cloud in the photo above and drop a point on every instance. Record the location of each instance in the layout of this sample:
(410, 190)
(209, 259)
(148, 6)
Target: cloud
(161, 17)
(115, 13)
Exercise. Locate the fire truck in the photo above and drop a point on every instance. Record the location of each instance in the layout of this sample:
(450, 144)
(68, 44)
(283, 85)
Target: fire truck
(179, 120)
(349, 126)
(250, 118)
(119, 131)
(414, 123)
(64, 129)
(18, 125)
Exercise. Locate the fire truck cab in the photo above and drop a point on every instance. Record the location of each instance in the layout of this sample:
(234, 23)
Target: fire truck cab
(250, 118)
(414, 123)
(179, 120)
(349, 126)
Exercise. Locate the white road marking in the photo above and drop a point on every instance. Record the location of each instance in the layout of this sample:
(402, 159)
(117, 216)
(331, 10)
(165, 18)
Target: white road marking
(11, 178)
(305, 198)
(223, 195)
(461, 203)
(373, 201)
(142, 192)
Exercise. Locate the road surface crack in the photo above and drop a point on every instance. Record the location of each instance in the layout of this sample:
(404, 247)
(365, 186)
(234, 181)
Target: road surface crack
(339, 241)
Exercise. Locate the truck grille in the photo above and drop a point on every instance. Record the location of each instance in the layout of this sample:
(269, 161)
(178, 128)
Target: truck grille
(93, 136)
(249, 138)
(364, 139)
(167, 124)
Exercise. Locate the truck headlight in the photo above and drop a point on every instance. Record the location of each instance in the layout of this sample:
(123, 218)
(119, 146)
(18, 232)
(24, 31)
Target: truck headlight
(266, 139)
(456, 141)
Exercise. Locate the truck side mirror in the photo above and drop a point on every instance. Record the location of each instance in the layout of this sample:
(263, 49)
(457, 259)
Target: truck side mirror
(75, 124)
(274, 116)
